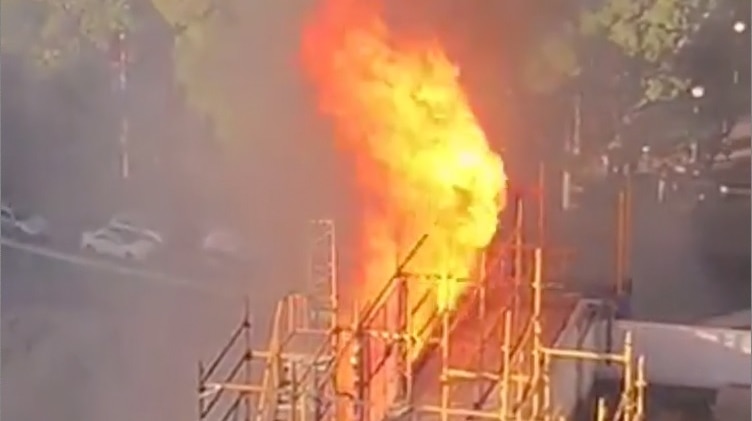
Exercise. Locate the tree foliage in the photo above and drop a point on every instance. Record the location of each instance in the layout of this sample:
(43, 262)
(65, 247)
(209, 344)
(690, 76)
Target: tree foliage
(233, 61)
(648, 29)
(647, 33)
(212, 36)
(196, 52)
(554, 61)
(51, 33)
(181, 15)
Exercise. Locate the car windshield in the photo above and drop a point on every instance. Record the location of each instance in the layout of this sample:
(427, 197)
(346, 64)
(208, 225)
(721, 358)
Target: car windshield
(124, 235)
(125, 223)
(122, 221)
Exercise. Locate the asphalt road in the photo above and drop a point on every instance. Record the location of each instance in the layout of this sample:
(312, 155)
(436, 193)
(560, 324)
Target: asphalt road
(90, 343)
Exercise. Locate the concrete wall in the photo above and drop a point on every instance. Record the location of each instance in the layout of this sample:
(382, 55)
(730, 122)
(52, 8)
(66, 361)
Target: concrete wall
(690, 356)
(571, 380)
(737, 320)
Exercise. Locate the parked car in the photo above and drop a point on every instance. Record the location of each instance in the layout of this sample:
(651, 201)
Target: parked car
(225, 245)
(16, 221)
(127, 223)
(116, 242)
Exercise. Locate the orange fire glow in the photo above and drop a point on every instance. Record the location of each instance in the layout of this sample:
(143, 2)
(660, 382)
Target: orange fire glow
(423, 162)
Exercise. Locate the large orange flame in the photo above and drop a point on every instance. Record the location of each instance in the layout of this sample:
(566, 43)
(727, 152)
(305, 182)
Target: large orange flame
(424, 163)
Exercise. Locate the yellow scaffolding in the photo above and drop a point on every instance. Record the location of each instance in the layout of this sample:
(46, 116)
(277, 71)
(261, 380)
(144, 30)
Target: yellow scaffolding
(370, 368)
(322, 277)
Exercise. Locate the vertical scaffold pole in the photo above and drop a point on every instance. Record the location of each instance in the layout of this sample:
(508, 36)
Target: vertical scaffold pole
(480, 293)
(628, 394)
(247, 326)
(537, 330)
(547, 410)
(620, 241)
(445, 386)
(602, 411)
(542, 204)
(641, 385)
(356, 362)
(628, 226)
(405, 341)
(518, 257)
(294, 391)
(506, 344)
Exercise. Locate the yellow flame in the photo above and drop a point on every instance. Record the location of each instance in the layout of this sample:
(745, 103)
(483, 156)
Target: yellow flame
(424, 163)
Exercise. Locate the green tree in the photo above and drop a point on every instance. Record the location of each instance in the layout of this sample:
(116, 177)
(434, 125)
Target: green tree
(214, 45)
(240, 69)
(51, 33)
(648, 33)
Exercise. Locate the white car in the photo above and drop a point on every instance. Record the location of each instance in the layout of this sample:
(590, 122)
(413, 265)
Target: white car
(125, 223)
(118, 243)
(27, 224)
(225, 244)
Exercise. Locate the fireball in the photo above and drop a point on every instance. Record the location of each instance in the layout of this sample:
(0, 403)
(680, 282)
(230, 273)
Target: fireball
(424, 165)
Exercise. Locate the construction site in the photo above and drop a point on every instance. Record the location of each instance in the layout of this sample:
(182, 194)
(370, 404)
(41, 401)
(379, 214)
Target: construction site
(516, 348)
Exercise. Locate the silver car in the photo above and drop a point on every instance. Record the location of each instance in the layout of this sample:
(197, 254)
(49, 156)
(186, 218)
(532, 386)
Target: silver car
(118, 243)
(22, 222)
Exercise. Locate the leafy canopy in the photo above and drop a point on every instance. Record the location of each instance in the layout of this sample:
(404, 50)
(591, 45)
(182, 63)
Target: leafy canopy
(646, 32)
(52, 32)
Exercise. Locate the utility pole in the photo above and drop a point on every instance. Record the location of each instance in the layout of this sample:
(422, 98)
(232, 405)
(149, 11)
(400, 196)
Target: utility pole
(739, 28)
(121, 67)
(576, 131)
(566, 190)
(623, 235)
(697, 93)
(573, 149)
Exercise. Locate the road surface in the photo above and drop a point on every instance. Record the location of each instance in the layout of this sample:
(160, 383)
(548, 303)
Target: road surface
(95, 341)
(137, 336)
